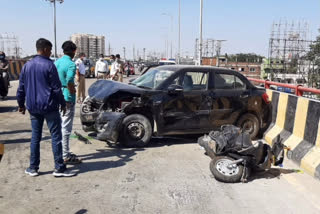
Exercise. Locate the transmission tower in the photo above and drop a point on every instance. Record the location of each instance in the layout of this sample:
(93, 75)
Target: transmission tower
(288, 46)
(9, 44)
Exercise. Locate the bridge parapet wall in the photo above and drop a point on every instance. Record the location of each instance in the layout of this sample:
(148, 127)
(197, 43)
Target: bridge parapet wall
(296, 120)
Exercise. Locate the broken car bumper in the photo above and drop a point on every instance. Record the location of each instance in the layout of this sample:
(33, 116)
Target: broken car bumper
(107, 125)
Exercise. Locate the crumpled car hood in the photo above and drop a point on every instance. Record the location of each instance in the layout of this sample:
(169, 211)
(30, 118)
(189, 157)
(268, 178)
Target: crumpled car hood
(102, 89)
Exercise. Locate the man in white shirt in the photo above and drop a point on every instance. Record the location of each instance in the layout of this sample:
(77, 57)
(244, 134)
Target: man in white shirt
(117, 69)
(80, 76)
(102, 68)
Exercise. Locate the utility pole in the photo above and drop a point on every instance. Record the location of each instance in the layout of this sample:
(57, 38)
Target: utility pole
(200, 37)
(144, 54)
(218, 49)
(179, 36)
(134, 53)
(171, 32)
(55, 26)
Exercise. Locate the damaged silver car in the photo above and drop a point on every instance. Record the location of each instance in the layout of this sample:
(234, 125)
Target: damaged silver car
(174, 100)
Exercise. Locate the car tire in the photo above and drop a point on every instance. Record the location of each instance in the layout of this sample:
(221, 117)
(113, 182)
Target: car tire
(249, 123)
(136, 131)
(221, 173)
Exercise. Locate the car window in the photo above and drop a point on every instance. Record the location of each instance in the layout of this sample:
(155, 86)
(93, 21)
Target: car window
(228, 81)
(195, 81)
(152, 79)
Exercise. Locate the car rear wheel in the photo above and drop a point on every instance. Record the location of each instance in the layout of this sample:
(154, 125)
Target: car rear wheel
(136, 131)
(249, 123)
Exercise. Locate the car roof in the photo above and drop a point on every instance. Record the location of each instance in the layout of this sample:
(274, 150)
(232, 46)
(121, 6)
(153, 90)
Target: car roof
(198, 67)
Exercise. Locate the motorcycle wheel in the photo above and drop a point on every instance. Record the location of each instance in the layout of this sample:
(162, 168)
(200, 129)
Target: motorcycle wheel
(221, 172)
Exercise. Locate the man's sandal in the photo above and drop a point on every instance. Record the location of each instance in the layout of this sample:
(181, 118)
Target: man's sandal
(72, 159)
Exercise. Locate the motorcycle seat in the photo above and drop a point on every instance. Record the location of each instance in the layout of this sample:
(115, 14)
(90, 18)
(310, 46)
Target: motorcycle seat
(256, 150)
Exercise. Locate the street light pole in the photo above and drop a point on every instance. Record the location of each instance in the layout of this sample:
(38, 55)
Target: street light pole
(179, 34)
(55, 30)
(200, 37)
(55, 25)
(171, 20)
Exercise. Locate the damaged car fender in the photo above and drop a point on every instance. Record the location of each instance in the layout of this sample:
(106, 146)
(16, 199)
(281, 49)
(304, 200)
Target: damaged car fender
(108, 125)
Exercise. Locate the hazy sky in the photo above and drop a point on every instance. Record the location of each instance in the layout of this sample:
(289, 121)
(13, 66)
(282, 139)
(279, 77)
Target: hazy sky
(245, 24)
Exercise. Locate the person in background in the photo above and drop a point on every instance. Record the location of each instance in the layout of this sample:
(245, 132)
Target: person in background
(67, 71)
(117, 69)
(40, 89)
(80, 77)
(4, 66)
(102, 68)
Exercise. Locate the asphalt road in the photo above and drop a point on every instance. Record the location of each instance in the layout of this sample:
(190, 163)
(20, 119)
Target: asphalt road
(169, 176)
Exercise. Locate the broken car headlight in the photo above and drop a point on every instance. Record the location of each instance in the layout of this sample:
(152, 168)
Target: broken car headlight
(90, 106)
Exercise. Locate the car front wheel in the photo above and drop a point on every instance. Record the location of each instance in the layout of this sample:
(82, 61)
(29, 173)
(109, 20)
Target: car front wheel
(249, 123)
(136, 131)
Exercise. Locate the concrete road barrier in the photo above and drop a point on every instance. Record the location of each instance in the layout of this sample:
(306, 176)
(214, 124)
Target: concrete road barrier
(296, 120)
(1, 151)
(15, 69)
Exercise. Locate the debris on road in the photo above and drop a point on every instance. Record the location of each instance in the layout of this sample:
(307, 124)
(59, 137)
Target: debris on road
(82, 138)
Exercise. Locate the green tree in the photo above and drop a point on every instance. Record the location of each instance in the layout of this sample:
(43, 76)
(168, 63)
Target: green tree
(314, 56)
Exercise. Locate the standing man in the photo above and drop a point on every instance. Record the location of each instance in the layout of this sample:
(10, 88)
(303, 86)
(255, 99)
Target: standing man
(117, 69)
(102, 68)
(67, 71)
(81, 71)
(40, 88)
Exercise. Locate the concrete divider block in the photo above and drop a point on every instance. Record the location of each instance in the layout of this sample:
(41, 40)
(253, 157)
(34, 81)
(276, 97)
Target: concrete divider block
(15, 69)
(296, 121)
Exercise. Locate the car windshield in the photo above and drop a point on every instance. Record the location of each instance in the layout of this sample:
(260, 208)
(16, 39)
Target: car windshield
(152, 79)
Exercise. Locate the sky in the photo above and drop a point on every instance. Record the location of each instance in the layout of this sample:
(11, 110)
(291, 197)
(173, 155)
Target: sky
(245, 24)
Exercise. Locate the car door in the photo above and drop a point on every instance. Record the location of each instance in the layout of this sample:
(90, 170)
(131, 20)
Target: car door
(230, 97)
(186, 110)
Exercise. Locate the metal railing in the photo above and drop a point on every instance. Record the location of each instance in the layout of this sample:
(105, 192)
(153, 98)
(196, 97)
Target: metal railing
(299, 89)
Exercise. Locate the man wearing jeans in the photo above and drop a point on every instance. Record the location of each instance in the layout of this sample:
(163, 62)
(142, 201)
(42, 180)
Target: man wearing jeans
(67, 71)
(40, 88)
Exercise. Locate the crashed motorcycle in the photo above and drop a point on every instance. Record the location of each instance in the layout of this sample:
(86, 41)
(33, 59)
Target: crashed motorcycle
(234, 156)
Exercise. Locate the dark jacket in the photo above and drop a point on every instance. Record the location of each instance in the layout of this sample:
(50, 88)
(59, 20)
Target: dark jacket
(40, 87)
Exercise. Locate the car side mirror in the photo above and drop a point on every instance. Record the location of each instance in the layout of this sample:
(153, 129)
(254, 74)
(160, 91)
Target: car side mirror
(175, 89)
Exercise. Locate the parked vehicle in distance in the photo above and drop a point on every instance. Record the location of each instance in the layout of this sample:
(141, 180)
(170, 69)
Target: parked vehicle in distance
(129, 69)
(167, 62)
(173, 100)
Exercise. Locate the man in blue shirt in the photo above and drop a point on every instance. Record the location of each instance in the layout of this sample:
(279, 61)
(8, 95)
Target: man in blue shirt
(67, 71)
(40, 88)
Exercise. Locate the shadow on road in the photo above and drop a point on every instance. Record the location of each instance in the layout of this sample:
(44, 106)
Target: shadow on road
(10, 98)
(23, 140)
(169, 141)
(270, 174)
(15, 132)
(123, 155)
(6, 109)
(82, 211)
